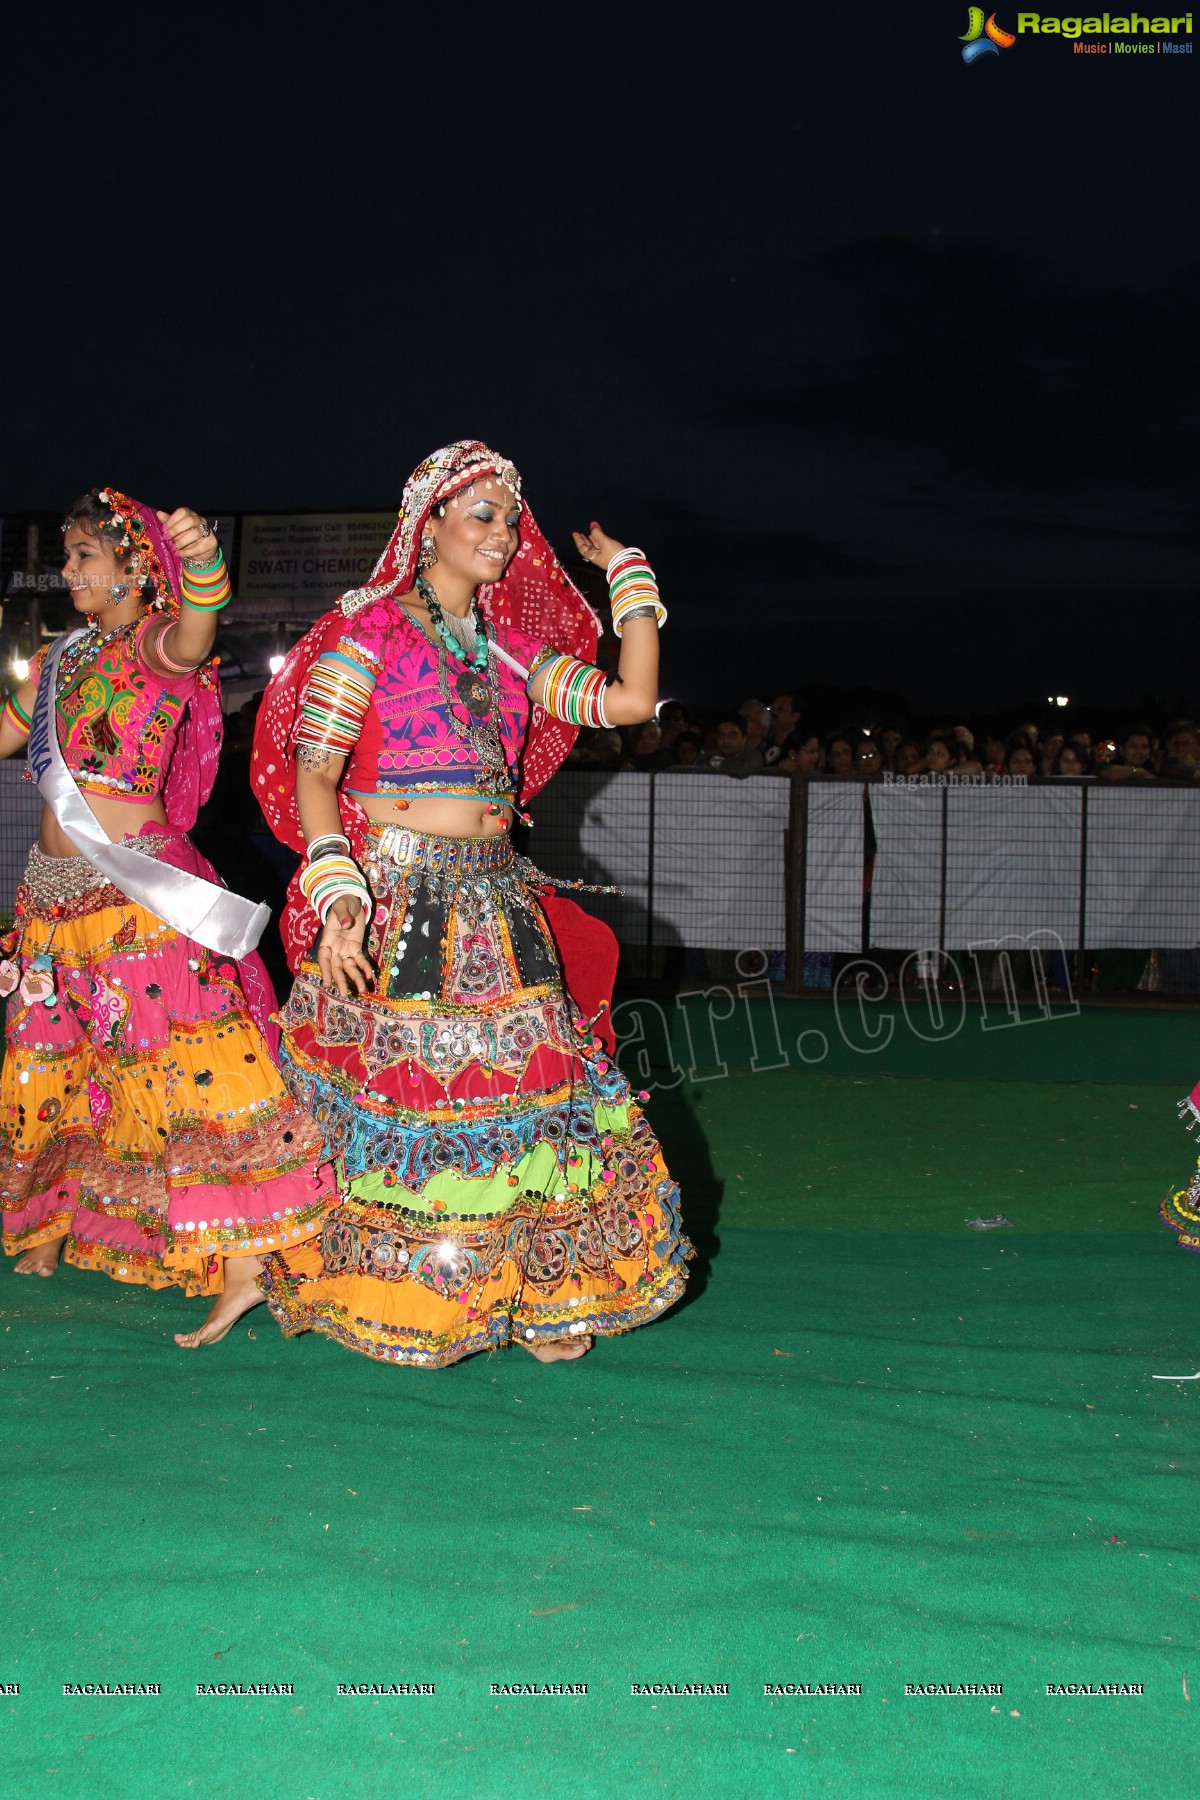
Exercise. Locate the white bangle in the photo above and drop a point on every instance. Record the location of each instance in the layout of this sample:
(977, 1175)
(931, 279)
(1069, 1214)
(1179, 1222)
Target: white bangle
(629, 550)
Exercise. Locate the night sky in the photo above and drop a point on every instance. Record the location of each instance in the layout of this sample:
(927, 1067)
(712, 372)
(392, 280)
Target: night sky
(888, 361)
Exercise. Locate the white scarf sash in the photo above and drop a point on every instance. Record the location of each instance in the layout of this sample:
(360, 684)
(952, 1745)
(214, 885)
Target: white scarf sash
(197, 908)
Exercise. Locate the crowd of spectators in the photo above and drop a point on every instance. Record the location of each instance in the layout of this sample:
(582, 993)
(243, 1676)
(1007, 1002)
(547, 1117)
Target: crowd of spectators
(760, 739)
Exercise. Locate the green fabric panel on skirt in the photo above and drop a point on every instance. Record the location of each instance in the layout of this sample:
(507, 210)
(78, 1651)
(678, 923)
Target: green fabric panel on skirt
(491, 1195)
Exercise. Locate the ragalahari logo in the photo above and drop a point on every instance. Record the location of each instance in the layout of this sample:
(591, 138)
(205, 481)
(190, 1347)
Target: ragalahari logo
(983, 38)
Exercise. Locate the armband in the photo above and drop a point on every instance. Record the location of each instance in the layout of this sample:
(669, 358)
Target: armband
(336, 701)
(574, 690)
(14, 714)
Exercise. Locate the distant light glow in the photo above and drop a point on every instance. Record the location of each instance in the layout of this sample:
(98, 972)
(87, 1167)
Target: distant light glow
(20, 668)
(1061, 700)
(276, 663)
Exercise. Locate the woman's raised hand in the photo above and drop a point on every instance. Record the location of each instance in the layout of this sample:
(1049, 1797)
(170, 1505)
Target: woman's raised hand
(595, 546)
(191, 534)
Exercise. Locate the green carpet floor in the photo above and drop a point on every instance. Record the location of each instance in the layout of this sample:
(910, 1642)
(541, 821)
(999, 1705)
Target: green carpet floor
(873, 1447)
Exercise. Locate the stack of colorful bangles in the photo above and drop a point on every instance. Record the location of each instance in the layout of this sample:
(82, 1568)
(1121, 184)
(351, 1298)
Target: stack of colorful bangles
(632, 589)
(206, 586)
(330, 873)
(574, 691)
(334, 706)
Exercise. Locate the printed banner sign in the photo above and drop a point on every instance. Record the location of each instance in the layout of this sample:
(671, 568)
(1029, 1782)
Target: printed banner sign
(309, 556)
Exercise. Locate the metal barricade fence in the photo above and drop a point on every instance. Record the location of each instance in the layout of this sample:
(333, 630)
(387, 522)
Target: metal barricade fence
(815, 869)
(699, 858)
(1103, 876)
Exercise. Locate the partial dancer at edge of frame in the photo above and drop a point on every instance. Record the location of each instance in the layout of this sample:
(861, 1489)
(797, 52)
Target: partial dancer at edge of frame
(144, 1129)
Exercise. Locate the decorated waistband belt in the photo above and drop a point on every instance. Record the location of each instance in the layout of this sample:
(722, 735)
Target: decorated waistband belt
(52, 881)
(464, 857)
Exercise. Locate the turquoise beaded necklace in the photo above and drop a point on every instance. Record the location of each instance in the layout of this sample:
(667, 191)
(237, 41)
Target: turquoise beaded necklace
(478, 659)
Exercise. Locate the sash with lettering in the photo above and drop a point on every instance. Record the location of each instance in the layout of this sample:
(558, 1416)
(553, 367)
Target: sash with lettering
(199, 909)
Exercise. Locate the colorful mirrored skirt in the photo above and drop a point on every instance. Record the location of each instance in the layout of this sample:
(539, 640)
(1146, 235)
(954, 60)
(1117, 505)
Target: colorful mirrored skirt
(499, 1180)
(141, 1114)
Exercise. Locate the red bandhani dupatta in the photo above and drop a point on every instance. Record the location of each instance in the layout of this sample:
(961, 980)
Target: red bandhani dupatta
(534, 596)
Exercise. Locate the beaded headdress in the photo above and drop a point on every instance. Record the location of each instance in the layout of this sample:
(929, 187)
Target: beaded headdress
(439, 478)
(134, 528)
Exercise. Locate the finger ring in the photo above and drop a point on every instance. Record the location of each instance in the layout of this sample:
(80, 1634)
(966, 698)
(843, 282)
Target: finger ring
(202, 526)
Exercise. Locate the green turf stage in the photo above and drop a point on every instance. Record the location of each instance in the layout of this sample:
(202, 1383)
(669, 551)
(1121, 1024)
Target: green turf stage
(873, 1447)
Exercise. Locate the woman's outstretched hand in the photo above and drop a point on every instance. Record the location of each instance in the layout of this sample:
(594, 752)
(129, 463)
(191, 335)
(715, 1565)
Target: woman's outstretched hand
(595, 546)
(340, 954)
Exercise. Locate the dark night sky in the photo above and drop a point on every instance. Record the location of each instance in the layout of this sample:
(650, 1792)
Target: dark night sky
(890, 362)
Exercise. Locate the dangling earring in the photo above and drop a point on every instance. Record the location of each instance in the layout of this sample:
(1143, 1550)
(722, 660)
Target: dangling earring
(428, 555)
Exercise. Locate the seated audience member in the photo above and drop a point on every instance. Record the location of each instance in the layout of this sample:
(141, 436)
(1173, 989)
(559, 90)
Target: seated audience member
(672, 719)
(756, 718)
(840, 748)
(1020, 758)
(642, 745)
(784, 720)
(801, 755)
(889, 738)
(1182, 759)
(733, 755)
(1083, 742)
(689, 750)
(993, 755)
(1047, 752)
(908, 759)
(1134, 760)
(868, 759)
(596, 749)
(1071, 760)
(964, 737)
(945, 756)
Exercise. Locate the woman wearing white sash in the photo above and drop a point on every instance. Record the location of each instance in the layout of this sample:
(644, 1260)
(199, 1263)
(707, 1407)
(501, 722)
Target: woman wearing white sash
(144, 1130)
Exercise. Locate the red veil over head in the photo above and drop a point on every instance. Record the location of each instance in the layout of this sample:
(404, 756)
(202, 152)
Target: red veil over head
(193, 769)
(534, 596)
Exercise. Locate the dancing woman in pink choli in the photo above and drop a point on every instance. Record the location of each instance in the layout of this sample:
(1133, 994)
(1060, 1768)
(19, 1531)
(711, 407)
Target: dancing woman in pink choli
(144, 1129)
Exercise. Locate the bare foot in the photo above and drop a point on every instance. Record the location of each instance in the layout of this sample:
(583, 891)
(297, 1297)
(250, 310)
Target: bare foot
(240, 1296)
(559, 1349)
(42, 1259)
